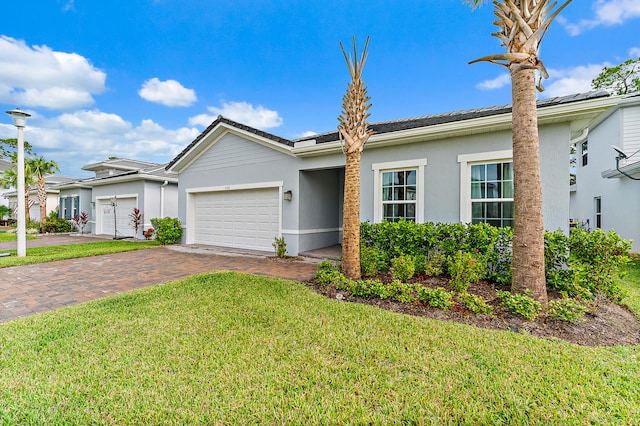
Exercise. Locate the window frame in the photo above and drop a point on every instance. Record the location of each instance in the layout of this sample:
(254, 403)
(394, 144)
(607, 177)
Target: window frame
(597, 212)
(584, 153)
(379, 168)
(468, 160)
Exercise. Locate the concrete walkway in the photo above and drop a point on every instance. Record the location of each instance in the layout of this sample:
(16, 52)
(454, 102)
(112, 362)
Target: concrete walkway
(32, 289)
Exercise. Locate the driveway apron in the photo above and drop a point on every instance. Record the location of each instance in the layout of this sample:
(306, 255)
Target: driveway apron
(32, 289)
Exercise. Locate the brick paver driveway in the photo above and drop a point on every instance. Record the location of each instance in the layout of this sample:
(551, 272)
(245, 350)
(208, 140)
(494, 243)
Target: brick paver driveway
(27, 290)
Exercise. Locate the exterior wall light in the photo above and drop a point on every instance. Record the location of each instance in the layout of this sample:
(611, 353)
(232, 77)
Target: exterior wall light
(288, 195)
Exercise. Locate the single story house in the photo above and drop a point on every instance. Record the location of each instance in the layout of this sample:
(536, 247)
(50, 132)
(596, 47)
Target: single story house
(51, 184)
(607, 190)
(119, 186)
(242, 187)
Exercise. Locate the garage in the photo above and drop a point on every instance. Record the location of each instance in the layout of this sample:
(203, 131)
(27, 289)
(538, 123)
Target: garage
(248, 218)
(123, 211)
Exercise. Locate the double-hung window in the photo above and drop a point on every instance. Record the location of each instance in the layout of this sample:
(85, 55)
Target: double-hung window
(399, 196)
(398, 190)
(492, 193)
(486, 188)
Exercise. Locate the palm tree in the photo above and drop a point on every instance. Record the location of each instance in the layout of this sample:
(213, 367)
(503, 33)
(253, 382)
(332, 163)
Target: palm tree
(40, 167)
(354, 133)
(522, 26)
(10, 180)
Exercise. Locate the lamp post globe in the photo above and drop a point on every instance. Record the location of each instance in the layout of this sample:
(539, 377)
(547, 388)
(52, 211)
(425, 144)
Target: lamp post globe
(19, 120)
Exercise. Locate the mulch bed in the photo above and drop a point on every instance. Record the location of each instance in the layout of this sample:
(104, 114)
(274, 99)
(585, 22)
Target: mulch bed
(605, 324)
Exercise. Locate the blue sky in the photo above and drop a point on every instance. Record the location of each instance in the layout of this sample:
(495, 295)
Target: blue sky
(141, 79)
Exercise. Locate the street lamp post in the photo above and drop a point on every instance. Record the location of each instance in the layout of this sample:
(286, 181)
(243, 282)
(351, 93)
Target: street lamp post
(19, 118)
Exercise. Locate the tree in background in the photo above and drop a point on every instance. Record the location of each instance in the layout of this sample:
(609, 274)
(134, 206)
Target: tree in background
(522, 25)
(40, 167)
(354, 133)
(621, 79)
(10, 180)
(9, 148)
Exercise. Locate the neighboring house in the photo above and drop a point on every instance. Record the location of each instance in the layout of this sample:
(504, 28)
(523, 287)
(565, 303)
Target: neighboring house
(242, 187)
(4, 165)
(604, 197)
(51, 184)
(119, 186)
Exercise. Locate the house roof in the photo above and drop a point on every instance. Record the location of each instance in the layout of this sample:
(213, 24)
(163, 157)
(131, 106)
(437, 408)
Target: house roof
(220, 120)
(118, 164)
(52, 183)
(311, 143)
(5, 165)
(154, 172)
(450, 117)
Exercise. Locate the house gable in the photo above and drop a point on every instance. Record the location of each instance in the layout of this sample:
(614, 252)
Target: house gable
(216, 132)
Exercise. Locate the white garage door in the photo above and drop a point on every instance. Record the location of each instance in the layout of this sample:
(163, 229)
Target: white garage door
(243, 219)
(123, 209)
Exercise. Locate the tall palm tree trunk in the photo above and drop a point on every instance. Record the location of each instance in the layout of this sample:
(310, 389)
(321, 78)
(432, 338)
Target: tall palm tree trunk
(351, 217)
(354, 133)
(528, 226)
(27, 210)
(42, 201)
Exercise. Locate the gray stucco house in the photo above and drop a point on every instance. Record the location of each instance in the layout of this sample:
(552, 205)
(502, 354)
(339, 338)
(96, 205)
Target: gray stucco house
(242, 187)
(119, 186)
(603, 196)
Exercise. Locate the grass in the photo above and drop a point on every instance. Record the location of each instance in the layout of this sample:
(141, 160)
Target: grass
(6, 237)
(631, 284)
(72, 251)
(230, 348)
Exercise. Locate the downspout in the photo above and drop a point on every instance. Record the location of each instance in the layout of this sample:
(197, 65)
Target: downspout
(166, 182)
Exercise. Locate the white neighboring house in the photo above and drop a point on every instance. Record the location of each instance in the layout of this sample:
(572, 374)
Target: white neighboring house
(119, 186)
(4, 165)
(51, 181)
(607, 190)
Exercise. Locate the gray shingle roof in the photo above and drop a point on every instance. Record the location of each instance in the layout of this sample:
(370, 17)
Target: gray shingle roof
(395, 125)
(449, 117)
(119, 163)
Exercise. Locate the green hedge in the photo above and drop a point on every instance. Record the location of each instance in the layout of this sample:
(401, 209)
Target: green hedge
(581, 264)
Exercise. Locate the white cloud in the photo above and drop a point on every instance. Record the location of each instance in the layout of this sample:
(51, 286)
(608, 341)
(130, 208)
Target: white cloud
(87, 136)
(568, 81)
(634, 52)
(242, 112)
(169, 93)
(69, 6)
(565, 81)
(40, 77)
(497, 83)
(306, 134)
(607, 13)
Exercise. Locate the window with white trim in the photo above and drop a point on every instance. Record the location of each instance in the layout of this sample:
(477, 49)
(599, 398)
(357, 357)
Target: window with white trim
(486, 187)
(398, 187)
(492, 193)
(399, 197)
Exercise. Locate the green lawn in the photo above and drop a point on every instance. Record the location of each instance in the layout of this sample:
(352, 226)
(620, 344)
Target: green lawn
(72, 251)
(631, 283)
(6, 237)
(229, 348)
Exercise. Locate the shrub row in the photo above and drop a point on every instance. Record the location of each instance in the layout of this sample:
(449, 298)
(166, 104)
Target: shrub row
(581, 264)
(566, 309)
(390, 240)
